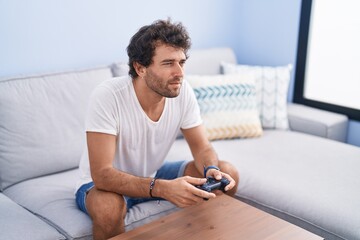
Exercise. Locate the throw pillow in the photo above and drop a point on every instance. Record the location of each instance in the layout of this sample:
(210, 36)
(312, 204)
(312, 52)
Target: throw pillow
(227, 105)
(272, 86)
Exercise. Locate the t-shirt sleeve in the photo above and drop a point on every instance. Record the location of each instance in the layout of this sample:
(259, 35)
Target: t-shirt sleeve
(191, 117)
(101, 114)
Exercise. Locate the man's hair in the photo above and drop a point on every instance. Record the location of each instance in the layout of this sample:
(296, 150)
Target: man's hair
(142, 45)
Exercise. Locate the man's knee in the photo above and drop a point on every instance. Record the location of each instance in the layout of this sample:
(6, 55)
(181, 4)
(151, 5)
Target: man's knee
(230, 169)
(191, 170)
(107, 211)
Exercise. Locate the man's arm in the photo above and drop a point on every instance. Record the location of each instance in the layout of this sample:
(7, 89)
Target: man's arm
(204, 154)
(201, 149)
(101, 149)
(180, 191)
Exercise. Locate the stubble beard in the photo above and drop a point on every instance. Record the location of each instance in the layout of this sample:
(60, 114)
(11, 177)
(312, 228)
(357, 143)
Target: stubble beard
(161, 87)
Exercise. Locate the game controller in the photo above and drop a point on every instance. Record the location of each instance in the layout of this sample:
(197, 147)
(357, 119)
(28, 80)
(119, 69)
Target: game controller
(213, 184)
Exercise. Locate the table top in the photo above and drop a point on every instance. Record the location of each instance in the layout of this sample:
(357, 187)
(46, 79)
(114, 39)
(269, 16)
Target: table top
(221, 218)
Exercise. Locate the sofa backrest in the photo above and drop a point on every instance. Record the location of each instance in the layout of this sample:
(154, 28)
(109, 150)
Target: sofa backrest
(42, 117)
(42, 123)
(208, 61)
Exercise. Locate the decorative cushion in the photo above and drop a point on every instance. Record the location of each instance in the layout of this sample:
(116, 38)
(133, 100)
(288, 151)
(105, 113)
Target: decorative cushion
(272, 86)
(227, 105)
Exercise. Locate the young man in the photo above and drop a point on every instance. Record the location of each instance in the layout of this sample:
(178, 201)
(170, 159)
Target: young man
(131, 124)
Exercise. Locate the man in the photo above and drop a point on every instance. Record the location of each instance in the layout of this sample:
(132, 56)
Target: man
(131, 124)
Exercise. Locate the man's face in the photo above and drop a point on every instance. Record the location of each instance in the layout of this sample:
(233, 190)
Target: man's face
(165, 74)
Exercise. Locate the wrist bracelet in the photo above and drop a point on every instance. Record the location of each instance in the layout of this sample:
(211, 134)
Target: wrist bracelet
(208, 168)
(152, 184)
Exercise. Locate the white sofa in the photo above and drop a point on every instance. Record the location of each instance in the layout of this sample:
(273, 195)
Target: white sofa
(304, 175)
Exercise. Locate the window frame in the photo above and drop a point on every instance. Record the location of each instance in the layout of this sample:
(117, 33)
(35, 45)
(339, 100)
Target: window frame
(302, 48)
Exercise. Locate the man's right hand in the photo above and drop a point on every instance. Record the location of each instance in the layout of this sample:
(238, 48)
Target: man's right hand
(182, 191)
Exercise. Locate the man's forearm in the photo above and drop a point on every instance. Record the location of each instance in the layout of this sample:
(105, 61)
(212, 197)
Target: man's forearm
(123, 183)
(205, 158)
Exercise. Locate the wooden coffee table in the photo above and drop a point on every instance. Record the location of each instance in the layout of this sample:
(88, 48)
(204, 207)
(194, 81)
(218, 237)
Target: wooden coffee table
(221, 218)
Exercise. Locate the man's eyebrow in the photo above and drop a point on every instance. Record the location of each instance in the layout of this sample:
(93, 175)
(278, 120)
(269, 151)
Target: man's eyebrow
(172, 60)
(168, 60)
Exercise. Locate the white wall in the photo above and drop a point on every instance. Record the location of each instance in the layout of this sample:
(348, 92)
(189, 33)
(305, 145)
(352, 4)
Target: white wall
(41, 35)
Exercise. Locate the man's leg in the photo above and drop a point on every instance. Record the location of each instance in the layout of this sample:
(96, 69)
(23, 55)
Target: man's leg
(224, 166)
(107, 211)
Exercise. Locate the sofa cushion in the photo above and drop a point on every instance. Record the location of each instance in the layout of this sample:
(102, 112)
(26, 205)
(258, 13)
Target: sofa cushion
(272, 85)
(208, 61)
(310, 181)
(18, 223)
(227, 105)
(119, 69)
(42, 123)
(53, 199)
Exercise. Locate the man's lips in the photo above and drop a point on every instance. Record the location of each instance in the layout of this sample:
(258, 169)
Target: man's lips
(175, 82)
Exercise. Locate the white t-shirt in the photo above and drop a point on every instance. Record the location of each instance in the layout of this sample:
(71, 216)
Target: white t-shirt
(142, 144)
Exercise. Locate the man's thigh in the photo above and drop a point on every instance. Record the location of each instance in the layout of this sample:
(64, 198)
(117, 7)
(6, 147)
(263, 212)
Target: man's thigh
(171, 170)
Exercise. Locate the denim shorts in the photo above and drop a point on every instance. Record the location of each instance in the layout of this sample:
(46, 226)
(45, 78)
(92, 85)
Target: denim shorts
(170, 170)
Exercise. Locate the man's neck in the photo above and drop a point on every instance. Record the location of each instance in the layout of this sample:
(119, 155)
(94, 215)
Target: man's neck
(151, 102)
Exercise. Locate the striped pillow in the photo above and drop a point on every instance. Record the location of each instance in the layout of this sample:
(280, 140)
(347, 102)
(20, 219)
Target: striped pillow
(272, 85)
(228, 105)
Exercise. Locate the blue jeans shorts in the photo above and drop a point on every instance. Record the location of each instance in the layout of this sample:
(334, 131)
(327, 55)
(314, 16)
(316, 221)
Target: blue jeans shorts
(170, 170)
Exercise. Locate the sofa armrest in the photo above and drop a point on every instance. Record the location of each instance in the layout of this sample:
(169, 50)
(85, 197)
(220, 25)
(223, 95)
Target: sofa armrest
(317, 122)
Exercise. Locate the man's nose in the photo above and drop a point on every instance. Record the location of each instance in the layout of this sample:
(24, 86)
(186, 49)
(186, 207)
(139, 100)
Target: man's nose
(178, 70)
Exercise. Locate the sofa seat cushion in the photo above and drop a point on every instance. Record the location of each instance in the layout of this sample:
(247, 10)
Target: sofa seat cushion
(18, 223)
(53, 199)
(308, 180)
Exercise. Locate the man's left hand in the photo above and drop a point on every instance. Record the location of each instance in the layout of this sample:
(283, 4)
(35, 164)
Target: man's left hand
(218, 175)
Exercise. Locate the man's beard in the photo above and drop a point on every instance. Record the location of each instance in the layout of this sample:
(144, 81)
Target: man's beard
(161, 87)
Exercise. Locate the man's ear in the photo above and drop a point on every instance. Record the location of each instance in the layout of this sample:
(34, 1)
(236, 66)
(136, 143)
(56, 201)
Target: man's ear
(140, 69)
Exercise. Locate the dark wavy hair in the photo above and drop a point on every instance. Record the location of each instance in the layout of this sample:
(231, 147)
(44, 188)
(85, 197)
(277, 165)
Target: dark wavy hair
(142, 45)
